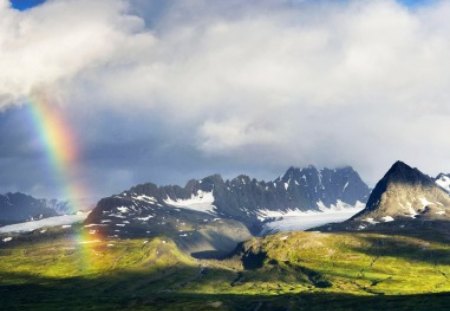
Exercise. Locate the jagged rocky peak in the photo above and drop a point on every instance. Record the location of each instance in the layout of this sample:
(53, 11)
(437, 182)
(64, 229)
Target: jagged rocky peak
(208, 183)
(299, 176)
(311, 173)
(302, 174)
(212, 180)
(401, 172)
(241, 180)
(326, 185)
(405, 192)
(147, 188)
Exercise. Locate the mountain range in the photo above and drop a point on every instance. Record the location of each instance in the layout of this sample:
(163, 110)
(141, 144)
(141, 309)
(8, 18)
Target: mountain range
(213, 214)
(19, 207)
(210, 216)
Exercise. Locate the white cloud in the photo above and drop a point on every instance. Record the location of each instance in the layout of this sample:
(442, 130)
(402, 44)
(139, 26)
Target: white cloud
(229, 135)
(51, 44)
(361, 83)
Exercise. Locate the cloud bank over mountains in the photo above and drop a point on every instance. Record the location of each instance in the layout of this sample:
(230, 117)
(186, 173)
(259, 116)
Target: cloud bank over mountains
(262, 85)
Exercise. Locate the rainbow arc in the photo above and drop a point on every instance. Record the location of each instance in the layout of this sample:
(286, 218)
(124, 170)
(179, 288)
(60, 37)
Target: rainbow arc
(61, 146)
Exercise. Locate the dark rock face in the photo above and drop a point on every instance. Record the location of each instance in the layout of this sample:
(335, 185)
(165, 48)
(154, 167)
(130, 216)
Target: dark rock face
(19, 207)
(242, 199)
(327, 186)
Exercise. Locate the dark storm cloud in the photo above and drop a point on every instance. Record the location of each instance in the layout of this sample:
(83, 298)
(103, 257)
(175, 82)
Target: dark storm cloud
(23, 161)
(163, 91)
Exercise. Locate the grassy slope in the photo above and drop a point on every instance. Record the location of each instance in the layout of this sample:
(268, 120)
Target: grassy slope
(311, 270)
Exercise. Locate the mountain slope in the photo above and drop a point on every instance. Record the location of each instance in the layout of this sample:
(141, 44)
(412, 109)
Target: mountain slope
(405, 201)
(405, 192)
(18, 207)
(197, 232)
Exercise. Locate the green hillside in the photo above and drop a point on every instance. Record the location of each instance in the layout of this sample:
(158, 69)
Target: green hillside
(304, 270)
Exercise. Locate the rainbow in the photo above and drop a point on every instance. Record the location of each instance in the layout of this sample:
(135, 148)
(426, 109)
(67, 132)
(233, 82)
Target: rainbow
(61, 146)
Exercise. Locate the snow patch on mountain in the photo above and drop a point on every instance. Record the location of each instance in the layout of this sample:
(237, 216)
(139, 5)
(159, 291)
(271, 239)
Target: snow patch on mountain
(144, 219)
(345, 186)
(297, 220)
(201, 202)
(46, 222)
(443, 181)
(387, 218)
(145, 198)
(308, 220)
(425, 202)
(370, 220)
(122, 209)
(339, 207)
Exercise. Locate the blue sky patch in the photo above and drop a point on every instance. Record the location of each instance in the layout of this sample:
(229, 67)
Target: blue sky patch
(23, 5)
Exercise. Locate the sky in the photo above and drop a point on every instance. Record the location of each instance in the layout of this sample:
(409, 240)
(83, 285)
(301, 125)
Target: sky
(169, 90)
(23, 5)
